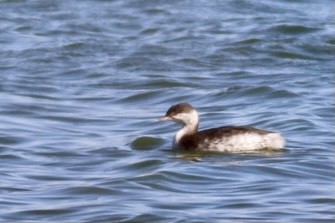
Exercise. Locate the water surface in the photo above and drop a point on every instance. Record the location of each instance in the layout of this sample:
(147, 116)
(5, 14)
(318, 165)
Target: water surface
(82, 84)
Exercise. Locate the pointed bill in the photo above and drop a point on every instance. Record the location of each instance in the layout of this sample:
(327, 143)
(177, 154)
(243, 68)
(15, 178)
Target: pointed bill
(165, 118)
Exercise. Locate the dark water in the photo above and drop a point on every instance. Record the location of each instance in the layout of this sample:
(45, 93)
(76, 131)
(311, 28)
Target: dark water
(82, 84)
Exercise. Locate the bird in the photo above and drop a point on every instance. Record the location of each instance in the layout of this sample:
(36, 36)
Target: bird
(219, 139)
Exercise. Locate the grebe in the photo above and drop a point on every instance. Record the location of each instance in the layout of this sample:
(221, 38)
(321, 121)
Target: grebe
(221, 139)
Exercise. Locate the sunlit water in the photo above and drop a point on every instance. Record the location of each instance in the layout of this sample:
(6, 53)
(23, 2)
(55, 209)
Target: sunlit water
(83, 83)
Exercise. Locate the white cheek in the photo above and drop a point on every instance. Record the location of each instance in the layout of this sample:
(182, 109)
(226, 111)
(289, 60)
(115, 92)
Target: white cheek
(181, 116)
(190, 118)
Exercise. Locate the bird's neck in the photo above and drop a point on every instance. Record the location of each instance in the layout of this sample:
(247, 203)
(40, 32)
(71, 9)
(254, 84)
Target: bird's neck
(190, 123)
(184, 131)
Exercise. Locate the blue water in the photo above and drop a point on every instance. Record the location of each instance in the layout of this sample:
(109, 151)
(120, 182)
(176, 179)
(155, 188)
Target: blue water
(83, 83)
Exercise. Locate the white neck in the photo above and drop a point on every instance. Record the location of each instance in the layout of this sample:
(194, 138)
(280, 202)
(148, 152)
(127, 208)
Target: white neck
(190, 122)
(182, 132)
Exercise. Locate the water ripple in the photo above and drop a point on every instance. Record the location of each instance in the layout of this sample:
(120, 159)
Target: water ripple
(83, 84)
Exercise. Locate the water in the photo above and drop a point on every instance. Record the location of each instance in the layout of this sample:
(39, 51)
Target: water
(82, 84)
